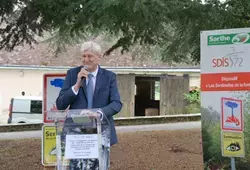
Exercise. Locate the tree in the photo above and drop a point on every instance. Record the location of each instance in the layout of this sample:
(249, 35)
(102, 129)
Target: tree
(196, 16)
(172, 25)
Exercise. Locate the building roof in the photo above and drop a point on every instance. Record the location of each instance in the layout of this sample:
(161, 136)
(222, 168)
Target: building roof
(42, 55)
(118, 70)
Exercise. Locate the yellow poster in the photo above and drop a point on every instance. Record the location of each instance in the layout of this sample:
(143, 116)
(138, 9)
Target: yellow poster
(233, 144)
(49, 146)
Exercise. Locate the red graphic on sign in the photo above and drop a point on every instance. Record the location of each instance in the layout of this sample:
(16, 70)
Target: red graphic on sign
(233, 119)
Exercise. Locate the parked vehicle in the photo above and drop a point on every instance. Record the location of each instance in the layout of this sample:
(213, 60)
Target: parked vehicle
(25, 109)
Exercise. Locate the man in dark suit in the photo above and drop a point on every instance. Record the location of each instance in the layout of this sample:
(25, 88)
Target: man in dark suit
(91, 87)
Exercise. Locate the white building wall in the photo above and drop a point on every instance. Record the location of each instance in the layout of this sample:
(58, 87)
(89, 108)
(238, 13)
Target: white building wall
(14, 81)
(194, 80)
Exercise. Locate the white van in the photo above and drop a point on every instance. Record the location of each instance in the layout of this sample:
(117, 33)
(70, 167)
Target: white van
(25, 109)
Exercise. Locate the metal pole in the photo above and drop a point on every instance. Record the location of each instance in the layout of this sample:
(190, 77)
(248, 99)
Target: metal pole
(232, 163)
(99, 133)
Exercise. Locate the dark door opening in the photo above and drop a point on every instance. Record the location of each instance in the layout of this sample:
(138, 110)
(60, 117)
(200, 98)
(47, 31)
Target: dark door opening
(147, 98)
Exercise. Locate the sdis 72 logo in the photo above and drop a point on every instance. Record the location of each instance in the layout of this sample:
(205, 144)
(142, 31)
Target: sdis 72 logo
(230, 60)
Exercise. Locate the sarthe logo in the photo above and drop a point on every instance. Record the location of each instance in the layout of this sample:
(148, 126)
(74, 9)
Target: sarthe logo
(240, 38)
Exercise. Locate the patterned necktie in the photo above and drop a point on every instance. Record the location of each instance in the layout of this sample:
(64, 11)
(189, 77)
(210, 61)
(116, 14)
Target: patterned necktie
(90, 91)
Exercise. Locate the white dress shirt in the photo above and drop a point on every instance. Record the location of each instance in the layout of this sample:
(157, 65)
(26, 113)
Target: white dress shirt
(93, 79)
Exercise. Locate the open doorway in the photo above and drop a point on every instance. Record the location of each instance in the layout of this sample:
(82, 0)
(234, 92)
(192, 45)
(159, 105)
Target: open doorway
(147, 97)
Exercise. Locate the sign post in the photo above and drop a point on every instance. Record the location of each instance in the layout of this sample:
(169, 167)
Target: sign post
(225, 97)
(233, 163)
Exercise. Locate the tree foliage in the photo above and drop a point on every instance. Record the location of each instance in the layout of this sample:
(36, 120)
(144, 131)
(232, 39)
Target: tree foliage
(172, 25)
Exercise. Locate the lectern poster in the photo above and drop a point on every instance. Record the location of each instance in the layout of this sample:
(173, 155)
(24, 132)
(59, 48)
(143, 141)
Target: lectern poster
(81, 146)
(225, 98)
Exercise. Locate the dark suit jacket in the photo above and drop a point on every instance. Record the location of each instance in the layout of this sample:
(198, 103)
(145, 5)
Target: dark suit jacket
(106, 96)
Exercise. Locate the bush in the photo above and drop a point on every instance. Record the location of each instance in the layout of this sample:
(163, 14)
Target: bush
(193, 100)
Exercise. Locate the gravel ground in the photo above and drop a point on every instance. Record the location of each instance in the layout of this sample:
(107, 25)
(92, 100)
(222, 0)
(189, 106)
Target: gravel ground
(156, 150)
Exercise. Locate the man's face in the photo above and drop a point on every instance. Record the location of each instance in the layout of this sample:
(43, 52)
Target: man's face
(91, 60)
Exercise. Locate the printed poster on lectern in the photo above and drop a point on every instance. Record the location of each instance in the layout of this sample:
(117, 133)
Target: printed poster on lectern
(225, 98)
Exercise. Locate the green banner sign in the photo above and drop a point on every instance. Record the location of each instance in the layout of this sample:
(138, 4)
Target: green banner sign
(225, 39)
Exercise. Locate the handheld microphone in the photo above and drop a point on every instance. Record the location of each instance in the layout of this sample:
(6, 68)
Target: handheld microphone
(84, 67)
(82, 79)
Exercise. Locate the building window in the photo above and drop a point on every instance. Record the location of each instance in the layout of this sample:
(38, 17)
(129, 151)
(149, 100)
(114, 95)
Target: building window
(36, 106)
(157, 90)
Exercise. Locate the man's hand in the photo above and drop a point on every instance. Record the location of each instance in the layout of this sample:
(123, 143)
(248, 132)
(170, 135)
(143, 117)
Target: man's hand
(83, 73)
(90, 113)
(94, 115)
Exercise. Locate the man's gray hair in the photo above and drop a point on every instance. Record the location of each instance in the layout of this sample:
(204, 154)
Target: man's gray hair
(91, 46)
